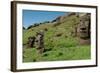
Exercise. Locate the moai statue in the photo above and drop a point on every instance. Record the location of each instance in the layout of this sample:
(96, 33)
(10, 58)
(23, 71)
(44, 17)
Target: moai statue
(31, 41)
(84, 29)
(39, 42)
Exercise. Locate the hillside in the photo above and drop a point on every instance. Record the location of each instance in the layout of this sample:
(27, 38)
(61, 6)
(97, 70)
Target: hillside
(59, 40)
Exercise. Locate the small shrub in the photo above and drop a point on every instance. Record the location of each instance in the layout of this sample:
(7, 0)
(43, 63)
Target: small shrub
(58, 34)
(24, 56)
(60, 54)
(30, 26)
(49, 49)
(45, 54)
(34, 60)
(24, 28)
(36, 24)
(66, 36)
(46, 22)
(45, 29)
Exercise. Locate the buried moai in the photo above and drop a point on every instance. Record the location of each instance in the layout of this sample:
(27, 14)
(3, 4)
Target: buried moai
(39, 42)
(83, 29)
(30, 42)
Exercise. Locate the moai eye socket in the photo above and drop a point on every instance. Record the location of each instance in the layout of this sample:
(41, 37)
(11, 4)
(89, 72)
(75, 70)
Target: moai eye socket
(83, 28)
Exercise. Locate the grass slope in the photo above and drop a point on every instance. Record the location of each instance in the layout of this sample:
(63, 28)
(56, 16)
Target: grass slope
(64, 47)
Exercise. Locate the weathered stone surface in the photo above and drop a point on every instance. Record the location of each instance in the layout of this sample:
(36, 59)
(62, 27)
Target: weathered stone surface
(39, 42)
(84, 41)
(31, 41)
(83, 29)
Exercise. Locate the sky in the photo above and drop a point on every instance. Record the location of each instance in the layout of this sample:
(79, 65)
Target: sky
(32, 16)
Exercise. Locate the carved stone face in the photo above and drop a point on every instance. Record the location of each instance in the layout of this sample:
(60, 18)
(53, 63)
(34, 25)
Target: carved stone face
(84, 28)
